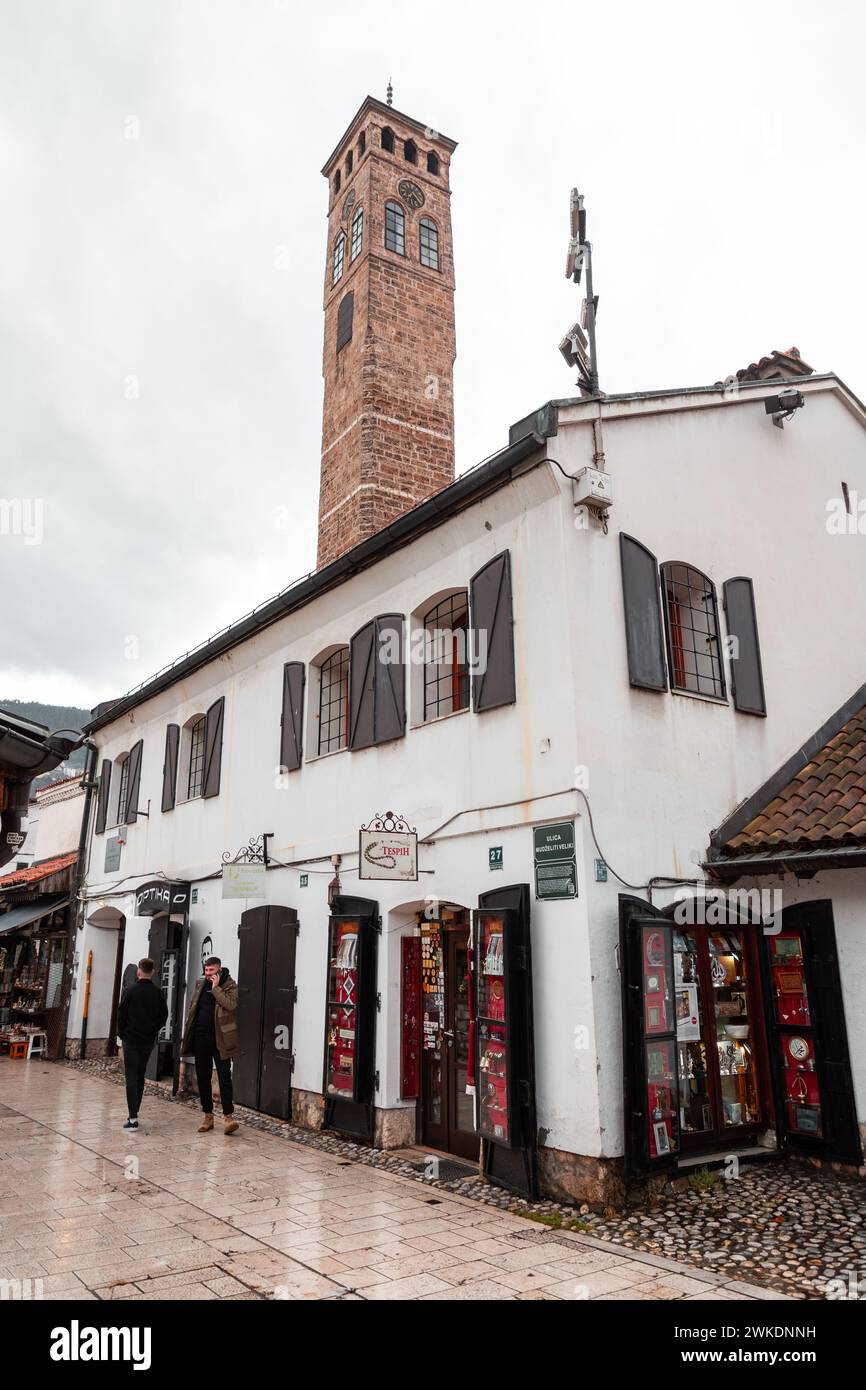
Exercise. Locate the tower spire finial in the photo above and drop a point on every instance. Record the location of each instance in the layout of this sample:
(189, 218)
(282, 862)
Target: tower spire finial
(390, 93)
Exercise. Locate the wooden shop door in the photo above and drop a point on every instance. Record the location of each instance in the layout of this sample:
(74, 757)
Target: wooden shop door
(447, 1112)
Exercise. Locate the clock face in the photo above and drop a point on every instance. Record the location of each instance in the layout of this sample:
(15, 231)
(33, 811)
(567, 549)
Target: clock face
(798, 1048)
(411, 194)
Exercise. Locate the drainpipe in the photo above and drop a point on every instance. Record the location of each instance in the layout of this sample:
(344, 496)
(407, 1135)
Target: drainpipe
(76, 907)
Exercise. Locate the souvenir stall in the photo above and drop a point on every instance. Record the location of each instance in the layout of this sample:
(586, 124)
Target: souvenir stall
(350, 1016)
(32, 961)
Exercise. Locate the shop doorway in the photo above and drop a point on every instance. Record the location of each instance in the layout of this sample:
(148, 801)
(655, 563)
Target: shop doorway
(111, 1046)
(719, 1032)
(266, 1001)
(447, 1112)
(166, 946)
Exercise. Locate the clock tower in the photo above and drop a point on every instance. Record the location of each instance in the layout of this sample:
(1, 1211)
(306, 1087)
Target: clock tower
(388, 417)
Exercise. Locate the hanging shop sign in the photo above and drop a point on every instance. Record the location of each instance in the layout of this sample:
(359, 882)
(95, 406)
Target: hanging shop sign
(388, 849)
(555, 860)
(161, 896)
(244, 880)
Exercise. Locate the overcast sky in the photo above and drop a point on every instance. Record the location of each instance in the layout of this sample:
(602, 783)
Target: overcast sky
(160, 354)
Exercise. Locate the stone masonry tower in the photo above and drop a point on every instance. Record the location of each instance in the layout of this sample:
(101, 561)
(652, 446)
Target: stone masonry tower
(388, 419)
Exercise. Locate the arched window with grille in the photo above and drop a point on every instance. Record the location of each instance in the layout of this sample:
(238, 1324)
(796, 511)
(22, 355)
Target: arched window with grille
(410, 152)
(334, 702)
(692, 631)
(432, 163)
(195, 778)
(395, 228)
(388, 139)
(428, 243)
(446, 656)
(357, 235)
(122, 792)
(339, 258)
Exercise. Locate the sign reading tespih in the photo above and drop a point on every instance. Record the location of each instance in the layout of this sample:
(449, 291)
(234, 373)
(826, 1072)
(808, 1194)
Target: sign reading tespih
(388, 849)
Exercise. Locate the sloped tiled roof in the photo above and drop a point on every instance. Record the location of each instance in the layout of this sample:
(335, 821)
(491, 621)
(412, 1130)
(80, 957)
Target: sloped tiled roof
(36, 872)
(777, 366)
(823, 806)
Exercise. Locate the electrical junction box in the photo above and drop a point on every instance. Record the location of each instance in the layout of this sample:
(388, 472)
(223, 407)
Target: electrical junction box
(592, 488)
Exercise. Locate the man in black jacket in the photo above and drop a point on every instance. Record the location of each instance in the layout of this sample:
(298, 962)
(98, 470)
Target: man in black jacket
(141, 1014)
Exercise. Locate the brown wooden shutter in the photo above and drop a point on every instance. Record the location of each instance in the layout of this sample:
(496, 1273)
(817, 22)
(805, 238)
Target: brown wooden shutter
(102, 803)
(169, 767)
(362, 697)
(213, 747)
(291, 724)
(493, 683)
(643, 618)
(345, 315)
(747, 680)
(389, 710)
(133, 786)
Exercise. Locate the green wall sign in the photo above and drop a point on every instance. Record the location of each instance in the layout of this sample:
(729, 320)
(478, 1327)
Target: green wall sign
(555, 860)
(494, 857)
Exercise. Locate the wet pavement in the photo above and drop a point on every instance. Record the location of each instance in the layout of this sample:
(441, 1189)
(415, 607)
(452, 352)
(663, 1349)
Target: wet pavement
(93, 1213)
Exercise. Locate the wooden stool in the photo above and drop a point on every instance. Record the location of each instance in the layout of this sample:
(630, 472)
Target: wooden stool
(37, 1046)
(18, 1048)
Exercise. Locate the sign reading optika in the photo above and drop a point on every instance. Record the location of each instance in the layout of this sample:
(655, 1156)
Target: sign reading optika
(161, 896)
(389, 854)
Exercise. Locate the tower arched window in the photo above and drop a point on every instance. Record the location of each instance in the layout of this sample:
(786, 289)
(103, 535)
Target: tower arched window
(362, 143)
(337, 181)
(432, 163)
(692, 630)
(350, 162)
(388, 139)
(410, 152)
(428, 243)
(357, 235)
(339, 258)
(395, 228)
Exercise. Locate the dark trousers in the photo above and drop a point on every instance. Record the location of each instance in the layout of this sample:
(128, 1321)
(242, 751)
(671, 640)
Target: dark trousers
(206, 1057)
(134, 1065)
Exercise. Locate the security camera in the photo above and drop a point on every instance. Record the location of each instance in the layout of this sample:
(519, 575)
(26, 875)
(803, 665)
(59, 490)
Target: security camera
(782, 407)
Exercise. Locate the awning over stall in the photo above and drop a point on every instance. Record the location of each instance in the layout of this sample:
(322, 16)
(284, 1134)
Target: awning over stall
(26, 913)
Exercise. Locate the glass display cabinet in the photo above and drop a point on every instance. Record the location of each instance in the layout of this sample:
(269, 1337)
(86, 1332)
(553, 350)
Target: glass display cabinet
(350, 1016)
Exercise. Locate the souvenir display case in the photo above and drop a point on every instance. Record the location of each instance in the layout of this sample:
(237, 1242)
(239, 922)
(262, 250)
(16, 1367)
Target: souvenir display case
(729, 972)
(504, 1038)
(795, 1042)
(494, 1082)
(350, 1009)
(696, 1109)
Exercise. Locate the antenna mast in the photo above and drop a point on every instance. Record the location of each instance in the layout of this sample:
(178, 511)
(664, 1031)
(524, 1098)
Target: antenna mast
(579, 347)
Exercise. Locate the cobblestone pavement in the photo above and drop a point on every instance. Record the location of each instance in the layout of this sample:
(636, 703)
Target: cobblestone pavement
(171, 1214)
(786, 1226)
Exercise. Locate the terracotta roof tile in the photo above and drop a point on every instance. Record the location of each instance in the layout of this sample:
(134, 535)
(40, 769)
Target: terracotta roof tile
(34, 873)
(824, 804)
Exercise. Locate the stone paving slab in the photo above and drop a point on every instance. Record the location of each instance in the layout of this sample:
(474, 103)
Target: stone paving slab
(170, 1214)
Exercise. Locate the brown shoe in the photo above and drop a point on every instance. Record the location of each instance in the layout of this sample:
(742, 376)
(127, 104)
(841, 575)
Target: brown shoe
(206, 1124)
(230, 1124)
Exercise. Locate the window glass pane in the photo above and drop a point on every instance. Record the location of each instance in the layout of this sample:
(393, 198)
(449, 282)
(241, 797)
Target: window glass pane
(693, 631)
(657, 973)
(334, 702)
(664, 1137)
(446, 657)
(395, 229)
(342, 1008)
(195, 782)
(357, 234)
(339, 251)
(429, 243)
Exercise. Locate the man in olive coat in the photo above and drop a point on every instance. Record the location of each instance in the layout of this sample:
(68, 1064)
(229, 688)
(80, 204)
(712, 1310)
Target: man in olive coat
(211, 1035)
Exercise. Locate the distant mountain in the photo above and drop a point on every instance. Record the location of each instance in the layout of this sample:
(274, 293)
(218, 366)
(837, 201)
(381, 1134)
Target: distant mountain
(56, 717)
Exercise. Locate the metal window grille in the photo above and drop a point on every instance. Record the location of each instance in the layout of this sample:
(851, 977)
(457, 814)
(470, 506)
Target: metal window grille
(339, 255)
(428, 234)
(123, 792)
(395, 229)
(195, 781)
(692, 622)
(357, 234)
(446, 666)
(334, 702)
